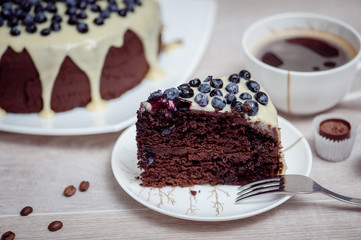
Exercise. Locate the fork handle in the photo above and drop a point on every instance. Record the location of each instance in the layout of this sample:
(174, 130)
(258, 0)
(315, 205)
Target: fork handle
(356, 201)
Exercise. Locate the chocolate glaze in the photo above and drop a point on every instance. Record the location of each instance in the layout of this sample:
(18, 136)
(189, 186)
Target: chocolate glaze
(335, 129)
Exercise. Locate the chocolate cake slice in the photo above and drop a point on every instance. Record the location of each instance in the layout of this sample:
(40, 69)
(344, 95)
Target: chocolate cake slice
(217, 131)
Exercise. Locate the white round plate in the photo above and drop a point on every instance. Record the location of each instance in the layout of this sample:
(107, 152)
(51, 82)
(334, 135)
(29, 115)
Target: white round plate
(193, 29)
(211, 203)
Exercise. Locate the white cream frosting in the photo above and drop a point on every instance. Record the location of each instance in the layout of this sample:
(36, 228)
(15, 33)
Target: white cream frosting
(267, 114)
(87, 50)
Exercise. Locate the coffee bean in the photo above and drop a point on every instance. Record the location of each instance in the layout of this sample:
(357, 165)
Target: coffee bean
(55, 226)
(69, 191)
(84, 185)
(26, 211)
(9, 235)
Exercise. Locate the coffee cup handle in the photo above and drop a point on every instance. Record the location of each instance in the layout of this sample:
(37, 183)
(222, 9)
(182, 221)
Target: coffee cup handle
(353, 95)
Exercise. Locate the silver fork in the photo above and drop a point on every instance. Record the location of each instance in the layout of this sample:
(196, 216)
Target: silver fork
(289, 184)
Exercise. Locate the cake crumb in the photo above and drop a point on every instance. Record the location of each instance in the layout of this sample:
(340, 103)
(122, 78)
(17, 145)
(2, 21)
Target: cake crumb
(193, 192)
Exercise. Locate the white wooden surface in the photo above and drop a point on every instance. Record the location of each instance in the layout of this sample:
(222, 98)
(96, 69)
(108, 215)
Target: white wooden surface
(34, 170)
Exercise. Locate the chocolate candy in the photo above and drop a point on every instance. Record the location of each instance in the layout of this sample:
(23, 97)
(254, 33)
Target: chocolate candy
(335, 129)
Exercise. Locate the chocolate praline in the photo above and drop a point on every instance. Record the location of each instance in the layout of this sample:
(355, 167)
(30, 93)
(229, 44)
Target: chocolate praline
(335, 129)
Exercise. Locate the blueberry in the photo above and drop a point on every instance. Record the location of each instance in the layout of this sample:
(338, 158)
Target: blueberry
(25, 6)
(209, 78)
(171, 93)
(73, 19)
(182, 104)
(95, 8)
(201, 99)
(234, 78)
(40, 17)
(237, 106)
(253, 86)
(99, 21)
(232, 88)
(45, 31)
(245, 74)
(184, 85)
(1, 21)
(71, 3)
(82, 15)
(148, 156)
(113, 7)
(218, 102)
(31, 28)
(51, 7)
(28, 20)
(216, 92)
(216, 83)
(34, 2)
(195, 82)
(56, 18)
(71, 11)
(13, 21)
(155, 95)
(122, 12)
(261, 97)
(186, 92)
(82, 27)
(204, 88)
(245, 96)
(105, 14)
(55, 26)
(14, 31)
(82, 4)
(39, 8)
(230, 97)
(252, 107)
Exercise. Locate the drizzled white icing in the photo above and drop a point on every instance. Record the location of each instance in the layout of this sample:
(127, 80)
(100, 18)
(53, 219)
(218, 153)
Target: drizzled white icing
(88, 51)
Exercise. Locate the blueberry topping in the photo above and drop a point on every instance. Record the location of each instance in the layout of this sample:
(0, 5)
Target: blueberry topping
(45, 31)
(218, 102)
(232, 88)
(216, 92)
(216, 83)
(31, 28)
(251, 107)
(148, 156)
(171, 93)
(99, 21)
(55, 26)
(14, 31)
(40, 17)
(182, 104)
(209, 78)
(245, 96)
(82, 27)
(261, 97)
(204, 88)
(237, 106)
(195, 82)
(186, 92)
(201, 99)
(234, 78)
(28, 20)
(122, 12)
(230, 97)
(155, 95)
(253, 86)
(33, 12)
(245, 74)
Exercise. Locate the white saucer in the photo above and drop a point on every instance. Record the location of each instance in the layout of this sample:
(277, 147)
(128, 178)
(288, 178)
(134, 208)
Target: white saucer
(211, 203)
(193, 29)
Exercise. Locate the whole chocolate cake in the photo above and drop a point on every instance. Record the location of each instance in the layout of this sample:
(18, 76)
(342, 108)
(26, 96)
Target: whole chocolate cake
(61, 54)
(218, 131)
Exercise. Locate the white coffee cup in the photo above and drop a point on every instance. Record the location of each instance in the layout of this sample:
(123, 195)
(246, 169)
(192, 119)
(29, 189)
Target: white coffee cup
(303, 93)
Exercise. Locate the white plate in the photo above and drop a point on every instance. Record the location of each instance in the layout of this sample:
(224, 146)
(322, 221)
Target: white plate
(188, 20)
(211, 203)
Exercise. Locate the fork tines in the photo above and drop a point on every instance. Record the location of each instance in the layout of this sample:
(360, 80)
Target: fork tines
(270, 185)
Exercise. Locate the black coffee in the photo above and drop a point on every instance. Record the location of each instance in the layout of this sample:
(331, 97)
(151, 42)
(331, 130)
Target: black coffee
(313, 51)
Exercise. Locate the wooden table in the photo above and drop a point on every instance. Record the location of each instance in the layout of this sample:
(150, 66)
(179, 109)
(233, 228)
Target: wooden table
(34, 170)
